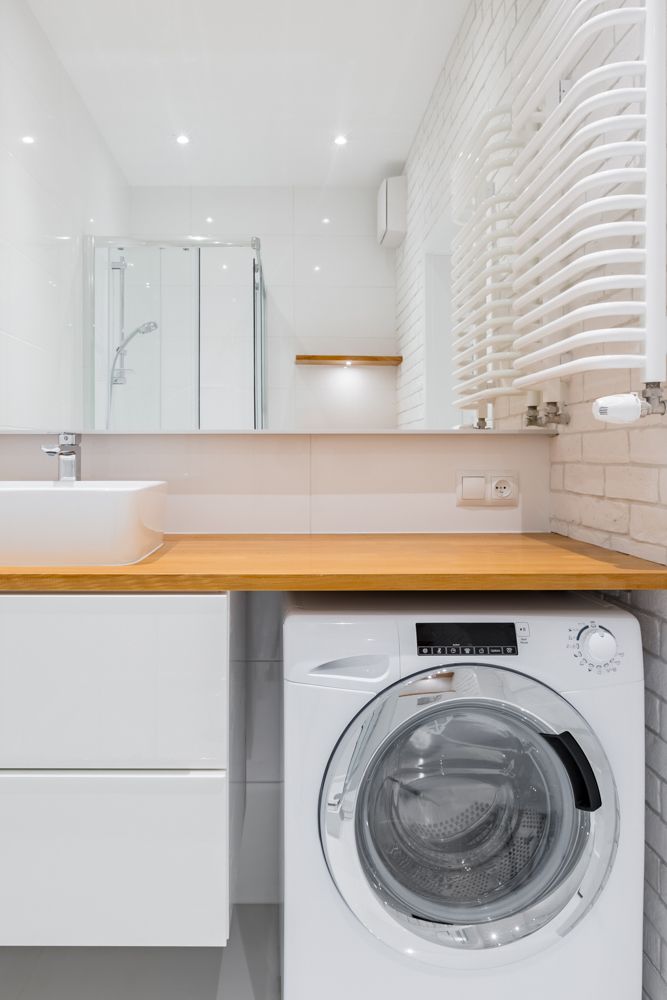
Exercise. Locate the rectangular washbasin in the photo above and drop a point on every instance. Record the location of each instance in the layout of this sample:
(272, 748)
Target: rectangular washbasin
(80, 524)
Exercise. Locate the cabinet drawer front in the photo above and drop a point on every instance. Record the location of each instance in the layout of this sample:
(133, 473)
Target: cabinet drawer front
(113, 681)
(114, 858)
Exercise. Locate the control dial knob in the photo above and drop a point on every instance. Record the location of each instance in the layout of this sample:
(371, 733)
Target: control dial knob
(597, 644)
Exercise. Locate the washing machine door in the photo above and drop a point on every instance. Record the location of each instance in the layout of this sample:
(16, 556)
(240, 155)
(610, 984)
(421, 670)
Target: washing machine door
(465, 808)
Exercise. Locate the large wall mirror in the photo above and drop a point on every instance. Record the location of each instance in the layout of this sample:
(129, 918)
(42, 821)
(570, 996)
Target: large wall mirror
(196, 232)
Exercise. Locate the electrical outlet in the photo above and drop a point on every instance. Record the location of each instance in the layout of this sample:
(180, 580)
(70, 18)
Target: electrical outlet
(487, 489)
(502, 488)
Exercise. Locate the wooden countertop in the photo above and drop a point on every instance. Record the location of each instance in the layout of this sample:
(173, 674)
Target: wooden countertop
(355, 562)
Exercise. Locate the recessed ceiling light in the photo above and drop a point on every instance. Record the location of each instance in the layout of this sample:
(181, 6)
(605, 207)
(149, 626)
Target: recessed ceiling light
(63, 237)
(91, 220)
(28, 140)
(182, 139)
(325, 222)
(340, 140)
(348, 364)
(198, 239)
(224, 267)
(209, 219)
(317, 268)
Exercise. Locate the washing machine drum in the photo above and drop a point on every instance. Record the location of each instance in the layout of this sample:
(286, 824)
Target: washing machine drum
(469, 806)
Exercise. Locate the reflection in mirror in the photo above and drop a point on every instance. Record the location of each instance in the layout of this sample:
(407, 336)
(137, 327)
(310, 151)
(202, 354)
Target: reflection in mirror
(177, 332)
(198, 194)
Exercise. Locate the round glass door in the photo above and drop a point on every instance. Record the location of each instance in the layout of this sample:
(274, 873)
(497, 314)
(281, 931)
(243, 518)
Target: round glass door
(471, 820)
(467, 816)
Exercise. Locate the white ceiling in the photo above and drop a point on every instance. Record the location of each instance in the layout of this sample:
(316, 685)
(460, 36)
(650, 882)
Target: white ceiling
(260, 86)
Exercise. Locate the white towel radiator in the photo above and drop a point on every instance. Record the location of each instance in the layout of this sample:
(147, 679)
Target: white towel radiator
(569, 275)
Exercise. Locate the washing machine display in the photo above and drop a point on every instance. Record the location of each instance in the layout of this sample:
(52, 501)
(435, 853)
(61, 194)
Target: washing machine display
(464, 800)
(466, 639)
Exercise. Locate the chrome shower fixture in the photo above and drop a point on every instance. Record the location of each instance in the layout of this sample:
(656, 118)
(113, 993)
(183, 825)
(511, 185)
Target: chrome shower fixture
(118, 373)
(147, 327)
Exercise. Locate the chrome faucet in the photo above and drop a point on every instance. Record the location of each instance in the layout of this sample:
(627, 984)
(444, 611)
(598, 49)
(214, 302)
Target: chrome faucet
(68, 453)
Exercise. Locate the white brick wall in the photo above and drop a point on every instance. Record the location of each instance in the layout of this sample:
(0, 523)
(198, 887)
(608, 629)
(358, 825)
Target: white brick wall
(650, 607)
(611, 481)
(476, 76)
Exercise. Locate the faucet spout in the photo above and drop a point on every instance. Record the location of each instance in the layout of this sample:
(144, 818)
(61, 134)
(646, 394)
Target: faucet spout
(68, 453)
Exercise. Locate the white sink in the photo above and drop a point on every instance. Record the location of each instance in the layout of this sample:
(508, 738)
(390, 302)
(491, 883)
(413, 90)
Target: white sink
(80, 524)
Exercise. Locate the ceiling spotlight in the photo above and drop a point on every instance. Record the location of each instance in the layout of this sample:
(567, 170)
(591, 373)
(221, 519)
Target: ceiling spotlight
(182, 140)
(317, 268)
(224, 267)
(209, 219)
(325, 222)
(28, 140)
(340, 140)
(348, 364)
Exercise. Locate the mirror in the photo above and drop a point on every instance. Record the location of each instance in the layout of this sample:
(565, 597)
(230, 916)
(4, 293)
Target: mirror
(207, 222)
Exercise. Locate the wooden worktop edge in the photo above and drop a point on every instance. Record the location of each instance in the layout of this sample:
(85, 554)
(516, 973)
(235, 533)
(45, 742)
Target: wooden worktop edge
(196, 563)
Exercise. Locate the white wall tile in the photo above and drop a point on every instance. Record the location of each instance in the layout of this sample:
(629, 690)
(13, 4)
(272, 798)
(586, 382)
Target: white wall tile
(350, 212)
(264, 719)
(160, 212)
(259, 866)
(49, 190)
(348, 261)
(242, 212)
(327, 312)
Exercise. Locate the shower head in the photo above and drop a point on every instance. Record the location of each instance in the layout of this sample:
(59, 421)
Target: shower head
(147, 327)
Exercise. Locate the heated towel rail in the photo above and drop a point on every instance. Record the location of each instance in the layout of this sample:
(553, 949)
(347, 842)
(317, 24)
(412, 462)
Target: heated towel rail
(561, 268)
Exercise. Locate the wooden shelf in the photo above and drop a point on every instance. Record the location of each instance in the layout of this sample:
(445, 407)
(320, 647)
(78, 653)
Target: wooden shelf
(350, 360)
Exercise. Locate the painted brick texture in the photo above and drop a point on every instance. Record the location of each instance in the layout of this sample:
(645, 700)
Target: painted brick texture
(609, 486)
(477, 75)
(650, 607)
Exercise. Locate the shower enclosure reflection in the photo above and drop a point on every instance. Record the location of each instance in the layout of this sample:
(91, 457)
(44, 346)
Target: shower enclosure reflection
(176, 335)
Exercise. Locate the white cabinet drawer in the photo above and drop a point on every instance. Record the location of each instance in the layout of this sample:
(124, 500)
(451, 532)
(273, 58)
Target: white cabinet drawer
(114, 681)
(114, 858)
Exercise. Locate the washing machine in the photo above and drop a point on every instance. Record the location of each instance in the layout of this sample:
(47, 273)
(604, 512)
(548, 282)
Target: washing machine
(463, 811)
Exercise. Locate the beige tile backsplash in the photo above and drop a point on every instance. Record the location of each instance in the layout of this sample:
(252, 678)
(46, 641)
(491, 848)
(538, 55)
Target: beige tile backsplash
(303, 483)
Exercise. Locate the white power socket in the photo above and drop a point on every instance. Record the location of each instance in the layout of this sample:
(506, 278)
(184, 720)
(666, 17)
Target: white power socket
(487, 489)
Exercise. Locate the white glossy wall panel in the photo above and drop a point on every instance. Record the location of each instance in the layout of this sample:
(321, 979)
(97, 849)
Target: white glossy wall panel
(113, 681)
(260, 860)
(114, 858)
(53, 191)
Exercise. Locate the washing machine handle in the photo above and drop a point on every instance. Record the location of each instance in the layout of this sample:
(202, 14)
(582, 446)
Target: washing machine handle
(582, 777)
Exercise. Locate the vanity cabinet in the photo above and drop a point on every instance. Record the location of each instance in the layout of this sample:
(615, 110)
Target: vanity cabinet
(122, 757)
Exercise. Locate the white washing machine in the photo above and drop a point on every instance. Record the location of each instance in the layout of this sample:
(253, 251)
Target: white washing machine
(464, 798)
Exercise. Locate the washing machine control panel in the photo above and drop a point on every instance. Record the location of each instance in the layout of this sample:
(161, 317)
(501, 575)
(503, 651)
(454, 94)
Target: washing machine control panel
(467, 639)
(595, 647)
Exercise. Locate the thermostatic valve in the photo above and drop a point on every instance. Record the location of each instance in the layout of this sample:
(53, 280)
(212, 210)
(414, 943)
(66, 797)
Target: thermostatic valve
(626, 407)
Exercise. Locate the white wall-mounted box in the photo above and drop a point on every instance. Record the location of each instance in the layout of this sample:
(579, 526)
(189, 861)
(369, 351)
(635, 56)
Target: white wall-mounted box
(392, 211)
